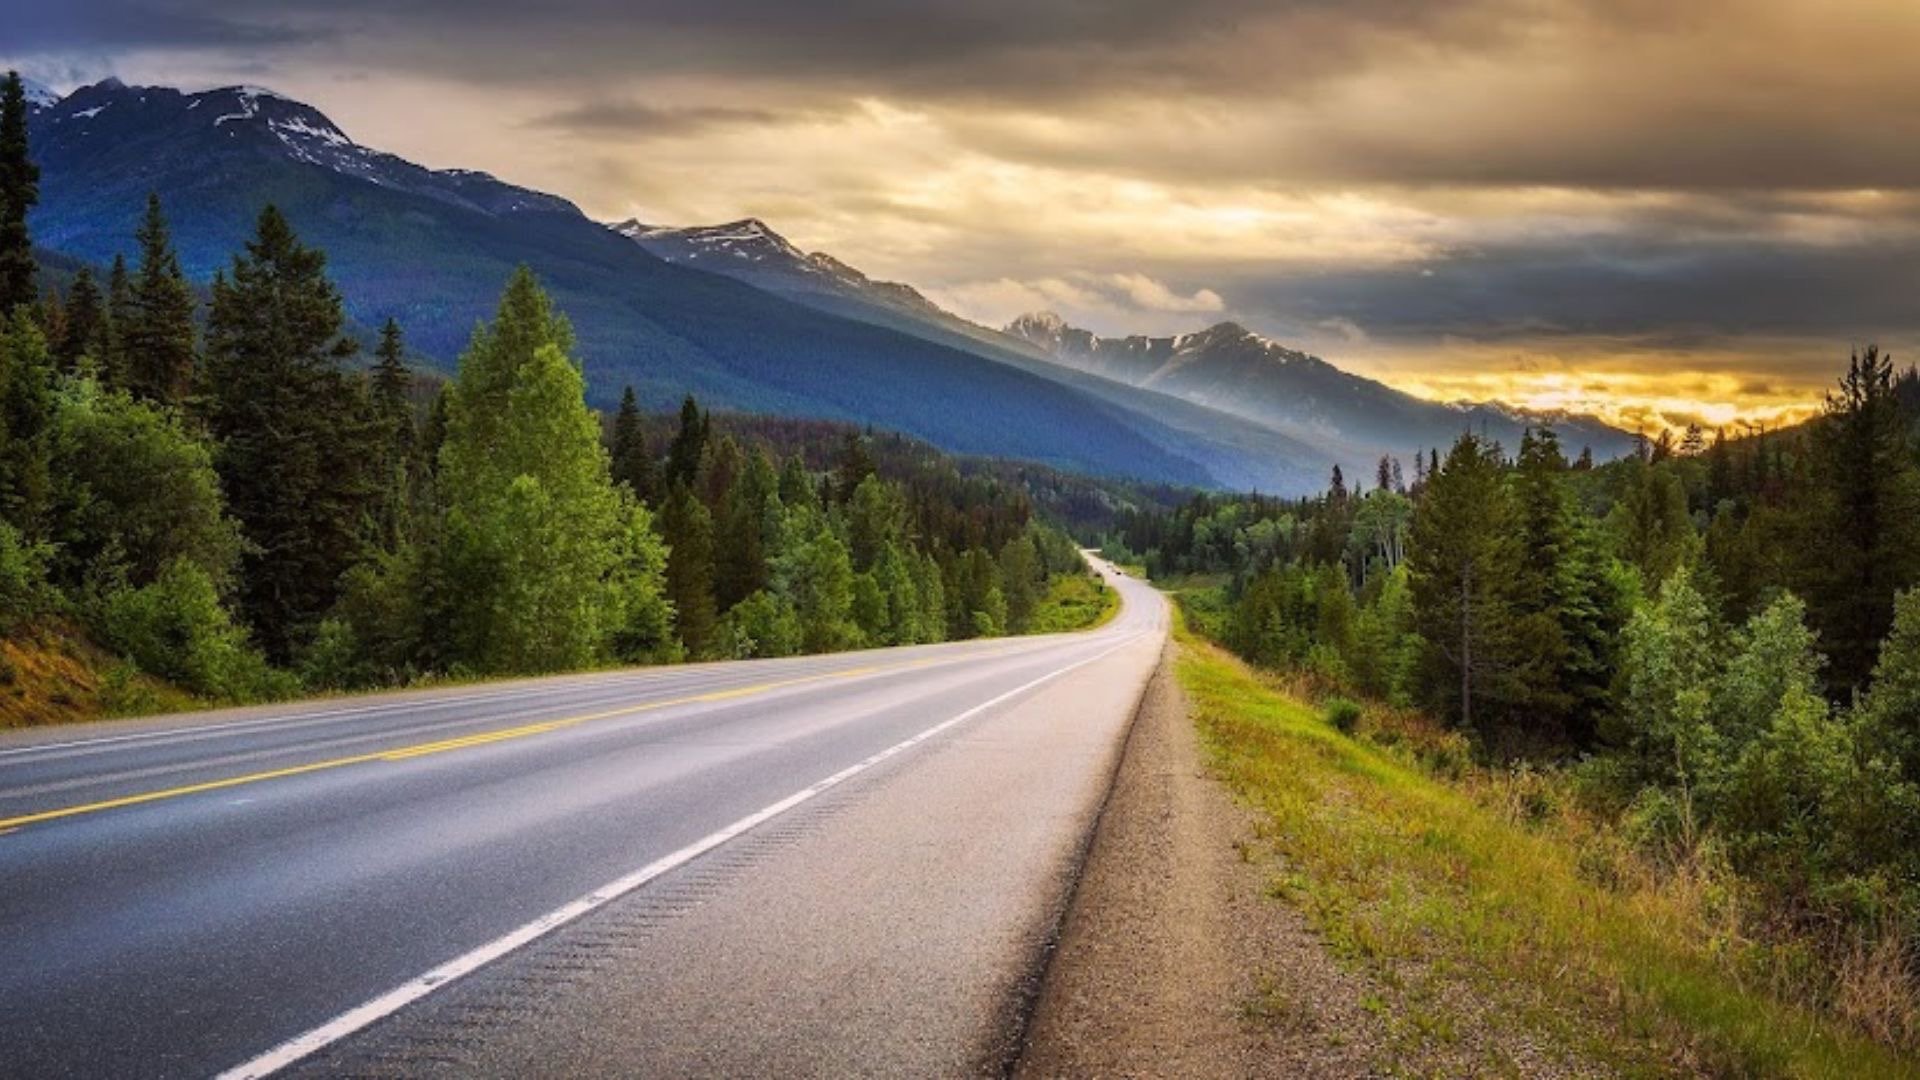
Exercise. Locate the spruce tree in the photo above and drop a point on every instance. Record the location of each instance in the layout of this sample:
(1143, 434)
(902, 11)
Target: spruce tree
(687, 528)
(157, 336)
(1461, 559)
(390, 384)
(298, 446)
(1861, 541)
(115, 369)
(86, 323)
(26, 412)
(688, 446)
(19, 192)
(632, 463)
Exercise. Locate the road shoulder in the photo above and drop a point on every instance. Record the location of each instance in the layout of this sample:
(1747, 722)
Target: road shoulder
(1171, 960)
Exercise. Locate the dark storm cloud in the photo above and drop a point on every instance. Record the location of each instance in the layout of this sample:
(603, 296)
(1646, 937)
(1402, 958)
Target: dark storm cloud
(104, 25)
(638, 119)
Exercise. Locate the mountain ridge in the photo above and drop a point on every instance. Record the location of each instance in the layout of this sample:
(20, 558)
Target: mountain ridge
(1230, 368)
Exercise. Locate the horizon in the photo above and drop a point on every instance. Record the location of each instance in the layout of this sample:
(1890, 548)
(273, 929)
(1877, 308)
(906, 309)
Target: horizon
(1669, 230)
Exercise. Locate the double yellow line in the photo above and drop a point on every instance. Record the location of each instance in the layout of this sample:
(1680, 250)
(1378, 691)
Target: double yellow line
(407, 753)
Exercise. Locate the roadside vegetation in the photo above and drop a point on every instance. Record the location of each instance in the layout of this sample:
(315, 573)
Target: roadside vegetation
(220, 501)
(1694, 672)
(1503, 929)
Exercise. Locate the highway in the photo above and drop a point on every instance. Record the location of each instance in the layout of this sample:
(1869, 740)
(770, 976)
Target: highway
(822, 866)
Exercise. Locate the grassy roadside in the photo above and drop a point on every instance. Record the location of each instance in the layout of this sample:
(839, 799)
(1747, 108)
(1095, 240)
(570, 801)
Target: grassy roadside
(1481, 933)
(1074, 602)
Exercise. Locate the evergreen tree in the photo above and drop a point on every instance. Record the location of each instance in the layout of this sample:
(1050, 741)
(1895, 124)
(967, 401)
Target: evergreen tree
(855, 464)
(688, 446)
(156, 338)
(687, 528)
(632, 462)
(115, 368)
(86, 323)
(390, 384)
(743, 532)
(26, 410)
(298, 447)
(1021, 579)
(1461, 558)
(1862, 538)
(19, 192)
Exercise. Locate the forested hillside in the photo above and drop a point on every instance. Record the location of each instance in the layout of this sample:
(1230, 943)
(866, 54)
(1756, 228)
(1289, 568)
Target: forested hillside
(231, 501)
(1702, 662)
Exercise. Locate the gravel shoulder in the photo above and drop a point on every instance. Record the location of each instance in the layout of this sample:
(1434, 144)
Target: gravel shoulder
(1171, 960)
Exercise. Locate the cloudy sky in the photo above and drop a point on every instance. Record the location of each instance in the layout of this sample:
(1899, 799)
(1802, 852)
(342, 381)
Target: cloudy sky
(1656, 210)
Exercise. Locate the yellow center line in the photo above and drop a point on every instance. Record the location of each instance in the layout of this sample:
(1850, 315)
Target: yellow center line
(406, 753)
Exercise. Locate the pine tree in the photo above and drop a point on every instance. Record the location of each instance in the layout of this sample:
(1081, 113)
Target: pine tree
(854, 465)
(298, 442)
(157, 335)
(1461, 558)
(742, 536)
(19, 192)
(632, 462)
(115, 368)
(86, 323)
(1862, 521)
(26, 411)
(689, 445)
(390, 384)
(687, 528)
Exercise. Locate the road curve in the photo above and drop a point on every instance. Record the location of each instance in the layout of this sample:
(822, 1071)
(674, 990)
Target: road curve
(834, 865)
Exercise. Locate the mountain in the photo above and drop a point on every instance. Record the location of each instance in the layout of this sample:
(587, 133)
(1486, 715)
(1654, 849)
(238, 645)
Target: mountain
(434, 247)
(1239, 453)
(1355, 419)
(750, 251)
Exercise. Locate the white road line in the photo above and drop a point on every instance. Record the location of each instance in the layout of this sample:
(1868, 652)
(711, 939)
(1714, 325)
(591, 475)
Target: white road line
(302, 1046)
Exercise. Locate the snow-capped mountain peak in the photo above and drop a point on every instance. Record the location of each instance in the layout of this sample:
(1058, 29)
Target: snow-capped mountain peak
(257, 120)
(39, 95)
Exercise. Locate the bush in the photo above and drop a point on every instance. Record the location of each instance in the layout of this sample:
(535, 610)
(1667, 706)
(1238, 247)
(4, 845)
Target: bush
(23, 589)
(176, 629)
(1343, 714)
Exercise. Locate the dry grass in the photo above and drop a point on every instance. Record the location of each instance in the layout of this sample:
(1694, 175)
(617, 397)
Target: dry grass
(49, 674)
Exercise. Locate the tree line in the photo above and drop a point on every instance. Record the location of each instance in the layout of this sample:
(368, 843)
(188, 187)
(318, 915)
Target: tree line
(1720, 637)
(228, 496)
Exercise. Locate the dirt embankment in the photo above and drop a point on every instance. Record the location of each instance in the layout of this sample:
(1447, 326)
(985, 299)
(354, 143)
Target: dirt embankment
(1171, 960)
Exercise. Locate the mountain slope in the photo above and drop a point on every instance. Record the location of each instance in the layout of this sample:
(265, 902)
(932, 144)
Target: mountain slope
(1230, 368)
(432, 248)
(1240, 453)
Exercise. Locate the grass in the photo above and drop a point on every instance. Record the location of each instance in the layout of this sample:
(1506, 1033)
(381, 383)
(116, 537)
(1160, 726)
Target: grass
(1477, 931)
(1074, 602)
(50, 674)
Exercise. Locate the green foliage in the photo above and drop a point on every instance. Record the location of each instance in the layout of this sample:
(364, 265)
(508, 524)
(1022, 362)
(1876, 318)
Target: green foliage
(1343, 714)
(23, 578)
(299, 442)
(155, 331)
(762, 625)
(546, 563)
(19, 192)
(175, 628)
(134, 492)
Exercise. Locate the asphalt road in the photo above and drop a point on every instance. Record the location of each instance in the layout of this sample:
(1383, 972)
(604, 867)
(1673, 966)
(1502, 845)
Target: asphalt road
(836, 865)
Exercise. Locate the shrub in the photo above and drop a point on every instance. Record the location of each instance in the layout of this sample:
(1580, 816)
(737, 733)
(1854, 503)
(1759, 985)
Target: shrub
(176, 629)
(1343, 714)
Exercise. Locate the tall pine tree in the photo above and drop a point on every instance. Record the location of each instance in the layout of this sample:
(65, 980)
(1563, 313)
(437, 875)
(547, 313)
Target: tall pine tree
(1462, 558)
(297, 441)
(19, 192)
(86, 324)
(1862, 539)
(156, 337)
(632, 462)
